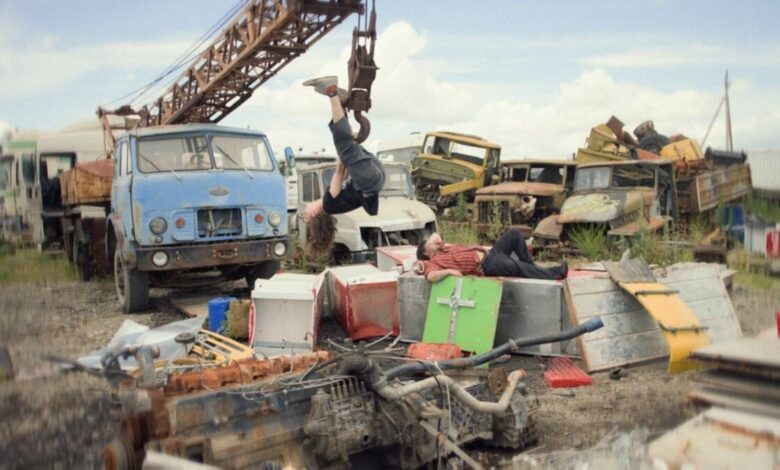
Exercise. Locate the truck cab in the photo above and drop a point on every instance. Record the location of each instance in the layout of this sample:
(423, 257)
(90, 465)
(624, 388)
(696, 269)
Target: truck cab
(401, 220)
(450, 164)
(621, 197)
(194, 204)
(529, 191)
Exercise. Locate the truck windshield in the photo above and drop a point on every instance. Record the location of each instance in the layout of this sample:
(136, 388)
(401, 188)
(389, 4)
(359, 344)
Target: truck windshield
(632, 176)
(397, 182)
(189, 153)
(403, 155)
(546, 174)
(240, 153)
(173, 154)
(458, 150)
(591, 178)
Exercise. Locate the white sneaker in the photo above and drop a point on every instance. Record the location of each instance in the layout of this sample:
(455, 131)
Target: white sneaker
(322, 84)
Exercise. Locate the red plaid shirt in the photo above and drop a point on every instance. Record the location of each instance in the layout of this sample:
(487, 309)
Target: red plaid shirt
(463, 258)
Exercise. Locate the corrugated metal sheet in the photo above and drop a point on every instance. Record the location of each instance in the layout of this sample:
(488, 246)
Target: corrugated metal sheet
(765, 169)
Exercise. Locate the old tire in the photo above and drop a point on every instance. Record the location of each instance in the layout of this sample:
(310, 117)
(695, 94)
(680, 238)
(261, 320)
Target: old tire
(263, 270)
(132, 286)
(654, 143)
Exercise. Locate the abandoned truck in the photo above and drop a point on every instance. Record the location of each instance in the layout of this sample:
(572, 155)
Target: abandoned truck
(623, 197)
(20, 193)
(402, 220)
(529, 191)
(189, 205)
(626, 188)
(450, 164)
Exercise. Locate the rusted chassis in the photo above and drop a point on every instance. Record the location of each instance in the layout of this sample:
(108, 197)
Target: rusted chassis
(210, 255)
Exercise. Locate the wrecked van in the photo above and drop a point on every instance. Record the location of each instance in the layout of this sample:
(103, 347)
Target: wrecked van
(402, 220)
(529, 191)
(623, 197)
(450, 164)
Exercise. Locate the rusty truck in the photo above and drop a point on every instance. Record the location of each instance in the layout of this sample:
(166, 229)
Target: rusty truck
(449, 164)
(626, 189)
(529, 191)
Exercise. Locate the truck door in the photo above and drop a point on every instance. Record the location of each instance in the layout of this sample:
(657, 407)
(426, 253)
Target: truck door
(308, 192)
(29, 200)
(122, 186)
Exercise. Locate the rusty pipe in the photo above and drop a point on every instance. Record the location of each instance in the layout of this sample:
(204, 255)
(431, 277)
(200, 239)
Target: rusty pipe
(392, 393)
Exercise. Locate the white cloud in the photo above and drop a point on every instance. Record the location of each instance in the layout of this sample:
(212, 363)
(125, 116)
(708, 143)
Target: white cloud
(689, 54)
(410, 96)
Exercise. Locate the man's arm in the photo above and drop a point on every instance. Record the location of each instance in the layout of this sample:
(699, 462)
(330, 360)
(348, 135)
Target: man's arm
(337, 180)
(436, 276)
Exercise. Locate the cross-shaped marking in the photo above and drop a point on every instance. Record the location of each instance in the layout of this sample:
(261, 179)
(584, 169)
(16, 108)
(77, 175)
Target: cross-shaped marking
(455, 302)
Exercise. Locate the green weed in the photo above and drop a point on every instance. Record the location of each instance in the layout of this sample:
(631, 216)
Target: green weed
(458, 232)
(764, 208)
(591, 241)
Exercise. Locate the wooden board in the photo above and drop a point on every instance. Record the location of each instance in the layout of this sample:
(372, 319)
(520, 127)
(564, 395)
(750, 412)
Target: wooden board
(193, 306)
(629, 334)
(682, 331)
(738, 384)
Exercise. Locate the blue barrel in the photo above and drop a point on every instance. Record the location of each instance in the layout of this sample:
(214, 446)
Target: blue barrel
(734, 222)
(218, 312)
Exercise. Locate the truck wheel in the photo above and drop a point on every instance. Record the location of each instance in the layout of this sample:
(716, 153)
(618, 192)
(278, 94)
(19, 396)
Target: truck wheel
(263, 270)
(654, 143)
(82, 262)
(132, 286)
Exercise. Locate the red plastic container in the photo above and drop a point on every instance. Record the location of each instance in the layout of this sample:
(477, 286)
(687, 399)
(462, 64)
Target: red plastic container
(433, 352)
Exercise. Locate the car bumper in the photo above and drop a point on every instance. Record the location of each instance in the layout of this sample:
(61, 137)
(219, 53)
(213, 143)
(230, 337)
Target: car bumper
(212, 254)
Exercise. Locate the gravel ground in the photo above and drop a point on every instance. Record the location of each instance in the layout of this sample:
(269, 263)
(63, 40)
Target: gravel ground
(55, 420)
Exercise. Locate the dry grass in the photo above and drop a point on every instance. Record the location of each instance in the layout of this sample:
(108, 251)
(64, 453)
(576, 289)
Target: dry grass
(28, 266)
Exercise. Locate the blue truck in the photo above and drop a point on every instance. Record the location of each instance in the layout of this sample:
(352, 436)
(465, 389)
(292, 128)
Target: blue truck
(189, 205)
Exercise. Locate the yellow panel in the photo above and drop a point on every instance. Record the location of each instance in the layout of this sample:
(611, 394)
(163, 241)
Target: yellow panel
(685, 150)
(672, 314)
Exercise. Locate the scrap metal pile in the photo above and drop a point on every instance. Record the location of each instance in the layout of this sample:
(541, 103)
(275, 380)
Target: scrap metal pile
(320, 410)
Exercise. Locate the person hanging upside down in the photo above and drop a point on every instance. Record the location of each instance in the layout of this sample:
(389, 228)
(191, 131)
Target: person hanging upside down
(357, 181)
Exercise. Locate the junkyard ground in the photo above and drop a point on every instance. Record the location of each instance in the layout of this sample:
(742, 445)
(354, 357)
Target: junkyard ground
(50, 419)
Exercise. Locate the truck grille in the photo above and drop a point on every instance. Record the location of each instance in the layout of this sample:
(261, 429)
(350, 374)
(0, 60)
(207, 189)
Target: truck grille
(485, 212)
(216, 223)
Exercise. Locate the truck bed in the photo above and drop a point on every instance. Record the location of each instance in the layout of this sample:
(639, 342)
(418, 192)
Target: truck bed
(88, 183)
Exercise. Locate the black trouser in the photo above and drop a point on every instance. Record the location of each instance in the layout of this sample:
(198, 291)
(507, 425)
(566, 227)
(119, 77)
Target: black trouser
(499, 261)
(365, 170)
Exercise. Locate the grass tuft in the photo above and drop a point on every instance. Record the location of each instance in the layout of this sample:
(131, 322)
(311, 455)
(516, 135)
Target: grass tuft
(28, 266)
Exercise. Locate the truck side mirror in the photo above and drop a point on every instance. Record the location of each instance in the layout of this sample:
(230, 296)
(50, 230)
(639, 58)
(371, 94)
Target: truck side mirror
(289, 157)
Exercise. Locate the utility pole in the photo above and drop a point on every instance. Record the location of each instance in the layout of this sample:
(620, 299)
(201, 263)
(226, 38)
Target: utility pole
(729, 143)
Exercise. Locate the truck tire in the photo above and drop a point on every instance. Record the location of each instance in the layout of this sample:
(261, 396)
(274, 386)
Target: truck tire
(132, 286)
(263, 270)
(81, 259)
(654, 143)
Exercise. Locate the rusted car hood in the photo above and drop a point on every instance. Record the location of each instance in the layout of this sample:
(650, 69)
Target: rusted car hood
(599, 207)
(534, 189)
(443, 170)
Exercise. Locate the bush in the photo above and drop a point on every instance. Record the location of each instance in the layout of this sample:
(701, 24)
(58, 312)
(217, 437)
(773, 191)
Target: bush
(591, 241)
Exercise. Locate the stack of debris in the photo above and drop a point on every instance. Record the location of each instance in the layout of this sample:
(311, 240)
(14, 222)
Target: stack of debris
(744, 376)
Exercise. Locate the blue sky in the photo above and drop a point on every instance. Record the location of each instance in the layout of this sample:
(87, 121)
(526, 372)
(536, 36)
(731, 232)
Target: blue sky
(532, 76)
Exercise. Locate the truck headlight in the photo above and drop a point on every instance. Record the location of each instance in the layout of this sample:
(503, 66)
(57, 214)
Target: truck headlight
(280, 248)
(274, 218)
(160, 259)
(158, 225)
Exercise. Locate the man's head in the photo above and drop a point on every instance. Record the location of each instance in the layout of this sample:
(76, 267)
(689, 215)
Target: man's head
(320, 231)
(430, 247)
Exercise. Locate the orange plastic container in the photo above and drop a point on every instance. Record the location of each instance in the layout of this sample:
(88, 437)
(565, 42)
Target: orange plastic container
(433, 352)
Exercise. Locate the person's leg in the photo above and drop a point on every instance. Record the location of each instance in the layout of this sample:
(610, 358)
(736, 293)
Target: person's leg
(365, 170)
(501, 264)
(512, 241)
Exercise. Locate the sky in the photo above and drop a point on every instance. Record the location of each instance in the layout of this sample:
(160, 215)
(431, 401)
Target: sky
(531, 76)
